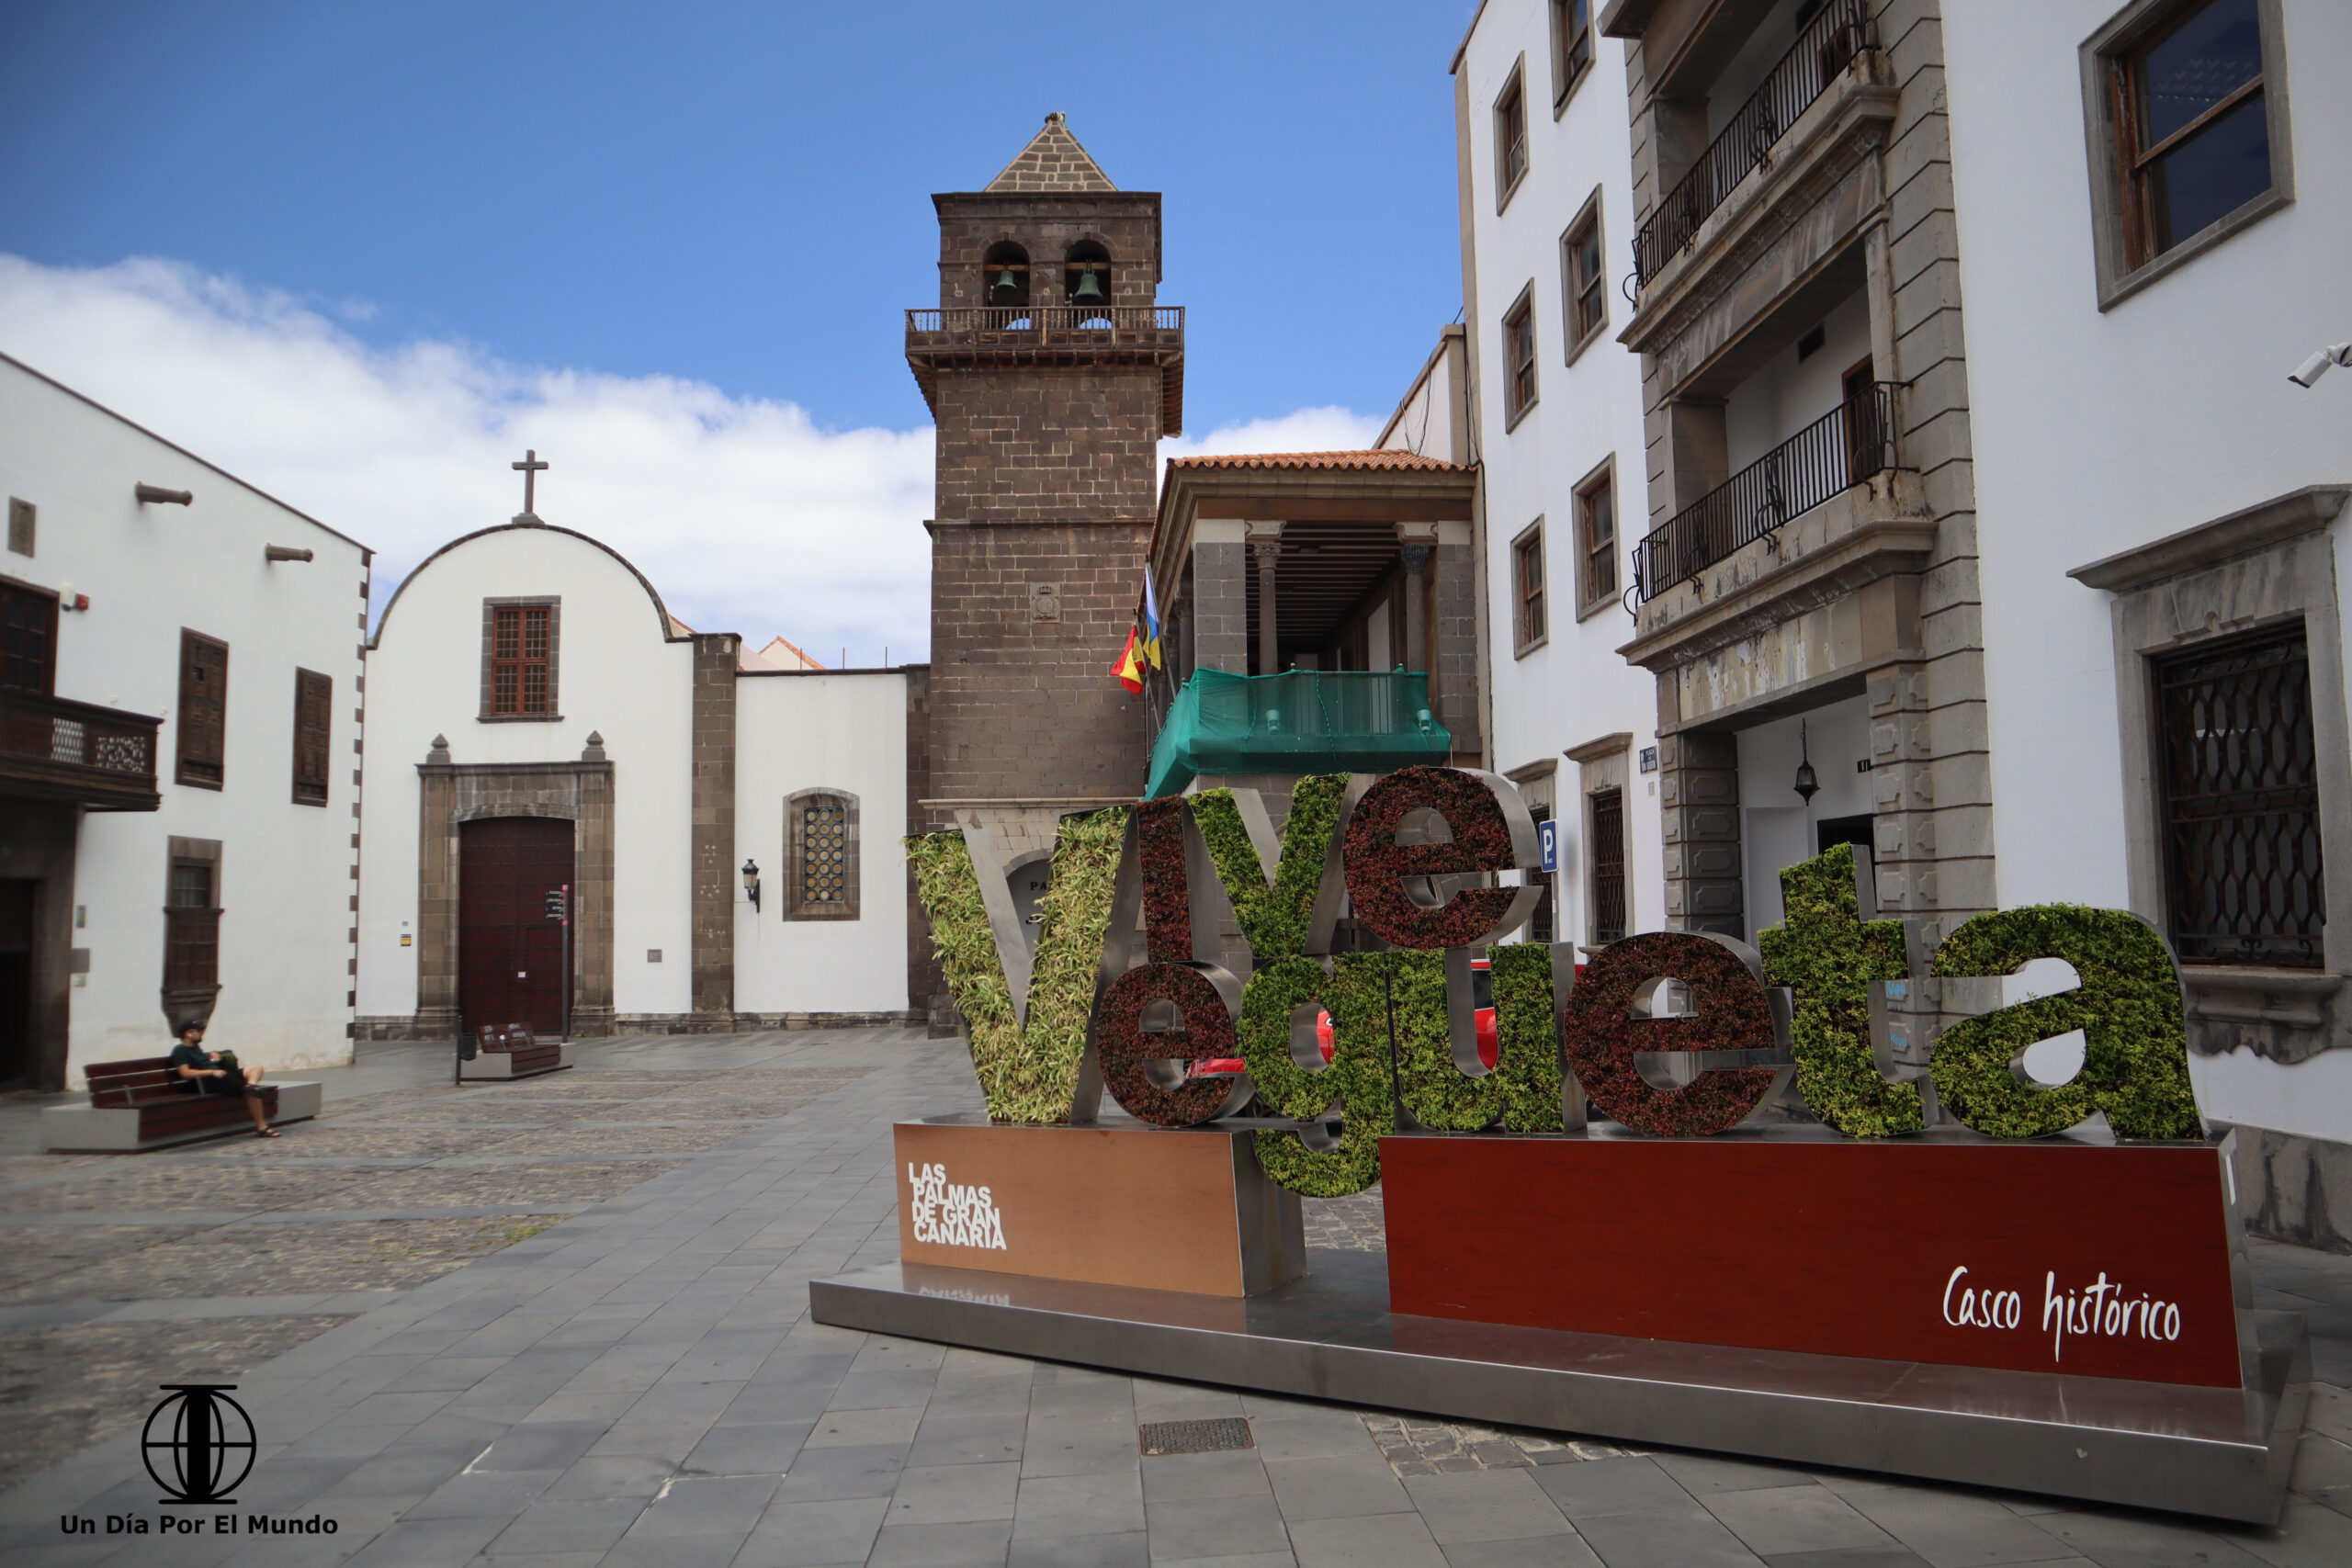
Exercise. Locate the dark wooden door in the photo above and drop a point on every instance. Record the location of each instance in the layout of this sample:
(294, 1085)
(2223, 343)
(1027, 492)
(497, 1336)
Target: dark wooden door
(510, 955)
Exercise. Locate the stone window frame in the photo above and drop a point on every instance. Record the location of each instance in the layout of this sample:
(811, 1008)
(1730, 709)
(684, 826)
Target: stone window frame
(2132, 26)
(553, 604)
(1521, 309)
(1564, 79)
(1572, 288)
(2265, 565)
(1513, 94)
(1524, 595)
(24, 526)
(1590, 601)
(794, 848)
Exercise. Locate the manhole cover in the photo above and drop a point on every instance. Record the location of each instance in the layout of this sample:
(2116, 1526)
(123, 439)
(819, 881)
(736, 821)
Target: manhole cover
(1195, 1436)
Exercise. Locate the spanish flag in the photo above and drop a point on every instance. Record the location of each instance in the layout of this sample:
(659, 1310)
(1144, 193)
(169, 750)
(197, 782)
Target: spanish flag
(1129, 668)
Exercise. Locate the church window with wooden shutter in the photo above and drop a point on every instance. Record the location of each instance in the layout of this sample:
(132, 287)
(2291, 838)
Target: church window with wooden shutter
(313, 728)
(521, 638)
(204, 710)
(27, 638)
(821, 827)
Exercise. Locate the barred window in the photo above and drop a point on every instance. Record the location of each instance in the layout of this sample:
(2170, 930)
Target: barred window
(1605, 916)
(822, 825)
(2240, 802)
(191, 937)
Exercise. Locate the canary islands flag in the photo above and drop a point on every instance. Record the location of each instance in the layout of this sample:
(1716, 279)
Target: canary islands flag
(1129, 668)
(1150, 619)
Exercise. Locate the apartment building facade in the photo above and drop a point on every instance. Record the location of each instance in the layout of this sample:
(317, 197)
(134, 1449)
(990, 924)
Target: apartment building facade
(1552, 416)
(1983, 524)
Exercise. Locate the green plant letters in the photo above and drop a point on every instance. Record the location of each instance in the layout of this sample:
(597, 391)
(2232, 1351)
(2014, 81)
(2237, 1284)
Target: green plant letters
(1029, 1063)
(1830, 957)
(2135, 1042)
(1035, 1069)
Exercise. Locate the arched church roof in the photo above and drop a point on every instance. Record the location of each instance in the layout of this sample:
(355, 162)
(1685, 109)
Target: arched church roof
(1053, 161)
(673, 629)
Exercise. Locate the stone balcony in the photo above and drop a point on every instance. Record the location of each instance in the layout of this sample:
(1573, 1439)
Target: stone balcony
(1781, 243)
(989, 337)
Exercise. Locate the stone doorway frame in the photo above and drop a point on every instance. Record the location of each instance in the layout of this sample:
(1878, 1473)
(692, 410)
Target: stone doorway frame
(453, 793)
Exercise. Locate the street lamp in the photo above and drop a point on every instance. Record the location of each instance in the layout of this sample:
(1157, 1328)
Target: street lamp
(2311, 369)
(751, 882)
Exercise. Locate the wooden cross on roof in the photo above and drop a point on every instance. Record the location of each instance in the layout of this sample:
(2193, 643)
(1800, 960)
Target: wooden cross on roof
(529, 466)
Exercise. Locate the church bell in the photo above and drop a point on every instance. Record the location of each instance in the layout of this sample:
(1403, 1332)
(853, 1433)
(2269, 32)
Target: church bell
(1088, 291)
(1006, 290)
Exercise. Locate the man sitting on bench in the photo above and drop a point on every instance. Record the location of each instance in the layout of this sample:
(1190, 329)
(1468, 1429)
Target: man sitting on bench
(204, 1072)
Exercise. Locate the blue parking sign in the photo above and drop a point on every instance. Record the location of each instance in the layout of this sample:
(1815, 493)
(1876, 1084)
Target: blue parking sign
(1547, 833)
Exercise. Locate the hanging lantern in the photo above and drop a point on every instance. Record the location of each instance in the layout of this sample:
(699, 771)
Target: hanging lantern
(1807, 785)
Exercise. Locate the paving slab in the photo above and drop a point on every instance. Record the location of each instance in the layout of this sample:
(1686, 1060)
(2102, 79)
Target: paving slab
(640, 1382)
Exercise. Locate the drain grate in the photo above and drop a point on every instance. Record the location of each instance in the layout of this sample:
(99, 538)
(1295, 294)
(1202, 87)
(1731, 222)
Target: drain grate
(1195, 1436)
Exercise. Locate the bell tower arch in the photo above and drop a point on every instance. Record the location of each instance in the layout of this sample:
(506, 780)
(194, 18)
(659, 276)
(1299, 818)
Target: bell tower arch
(1052, 371)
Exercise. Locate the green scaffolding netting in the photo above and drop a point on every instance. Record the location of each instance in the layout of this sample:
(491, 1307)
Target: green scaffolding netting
(1305, 721)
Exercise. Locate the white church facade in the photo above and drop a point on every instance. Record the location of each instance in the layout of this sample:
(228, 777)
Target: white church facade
(569, 781)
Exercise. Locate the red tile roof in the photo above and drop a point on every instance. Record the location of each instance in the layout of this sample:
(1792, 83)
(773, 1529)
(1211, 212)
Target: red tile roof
(1383, 459)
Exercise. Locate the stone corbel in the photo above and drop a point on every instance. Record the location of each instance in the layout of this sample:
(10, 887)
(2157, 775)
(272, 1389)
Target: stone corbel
(2286, 1015)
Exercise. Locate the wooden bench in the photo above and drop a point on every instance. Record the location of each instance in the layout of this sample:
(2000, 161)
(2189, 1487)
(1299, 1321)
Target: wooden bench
(140, 1104)
(514, 1052)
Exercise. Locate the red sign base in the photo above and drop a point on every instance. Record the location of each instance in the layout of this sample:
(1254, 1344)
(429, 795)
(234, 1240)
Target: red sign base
(2057, 1255)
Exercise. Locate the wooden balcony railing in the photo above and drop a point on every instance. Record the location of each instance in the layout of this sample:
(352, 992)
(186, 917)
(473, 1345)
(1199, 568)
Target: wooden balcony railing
(1835, 452)
(1843, 29)
(58, 749)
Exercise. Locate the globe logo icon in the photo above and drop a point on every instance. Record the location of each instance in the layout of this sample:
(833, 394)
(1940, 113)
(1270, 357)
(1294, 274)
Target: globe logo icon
(199, 1443)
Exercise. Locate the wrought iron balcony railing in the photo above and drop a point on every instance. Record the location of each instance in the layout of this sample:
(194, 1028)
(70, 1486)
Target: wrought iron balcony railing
(60, 750)
(1030, 326)
(1835, 452)
(1843, 29)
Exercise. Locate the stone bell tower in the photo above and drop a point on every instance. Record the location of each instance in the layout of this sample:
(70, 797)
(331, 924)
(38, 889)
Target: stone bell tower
(1052, 374)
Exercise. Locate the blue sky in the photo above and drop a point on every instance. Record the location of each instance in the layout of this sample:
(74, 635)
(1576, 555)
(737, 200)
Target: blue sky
(738, 194)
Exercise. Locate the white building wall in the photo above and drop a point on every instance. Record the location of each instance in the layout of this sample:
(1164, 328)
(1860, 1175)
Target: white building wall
(285, 878)
(1575, 687)
(2097, 432)
(618, 675)
(845, 733)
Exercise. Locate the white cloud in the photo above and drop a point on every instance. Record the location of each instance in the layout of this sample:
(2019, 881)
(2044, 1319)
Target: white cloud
(1329, 429)
(745, 514)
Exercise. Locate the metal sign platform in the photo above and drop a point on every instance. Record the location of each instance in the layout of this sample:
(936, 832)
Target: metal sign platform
(2223, 1453)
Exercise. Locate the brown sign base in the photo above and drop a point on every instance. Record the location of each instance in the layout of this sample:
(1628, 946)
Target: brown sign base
(2063, 1257)
(1118, 1204)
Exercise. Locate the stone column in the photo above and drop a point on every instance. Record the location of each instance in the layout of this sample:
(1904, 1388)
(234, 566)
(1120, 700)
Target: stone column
(1266, 549)
(1417, 552)
(1220, 597)
(1698, 811)
(713, 916)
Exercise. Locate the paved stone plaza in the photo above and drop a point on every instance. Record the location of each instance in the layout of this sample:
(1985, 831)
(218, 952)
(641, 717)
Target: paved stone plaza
(564, 1322)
